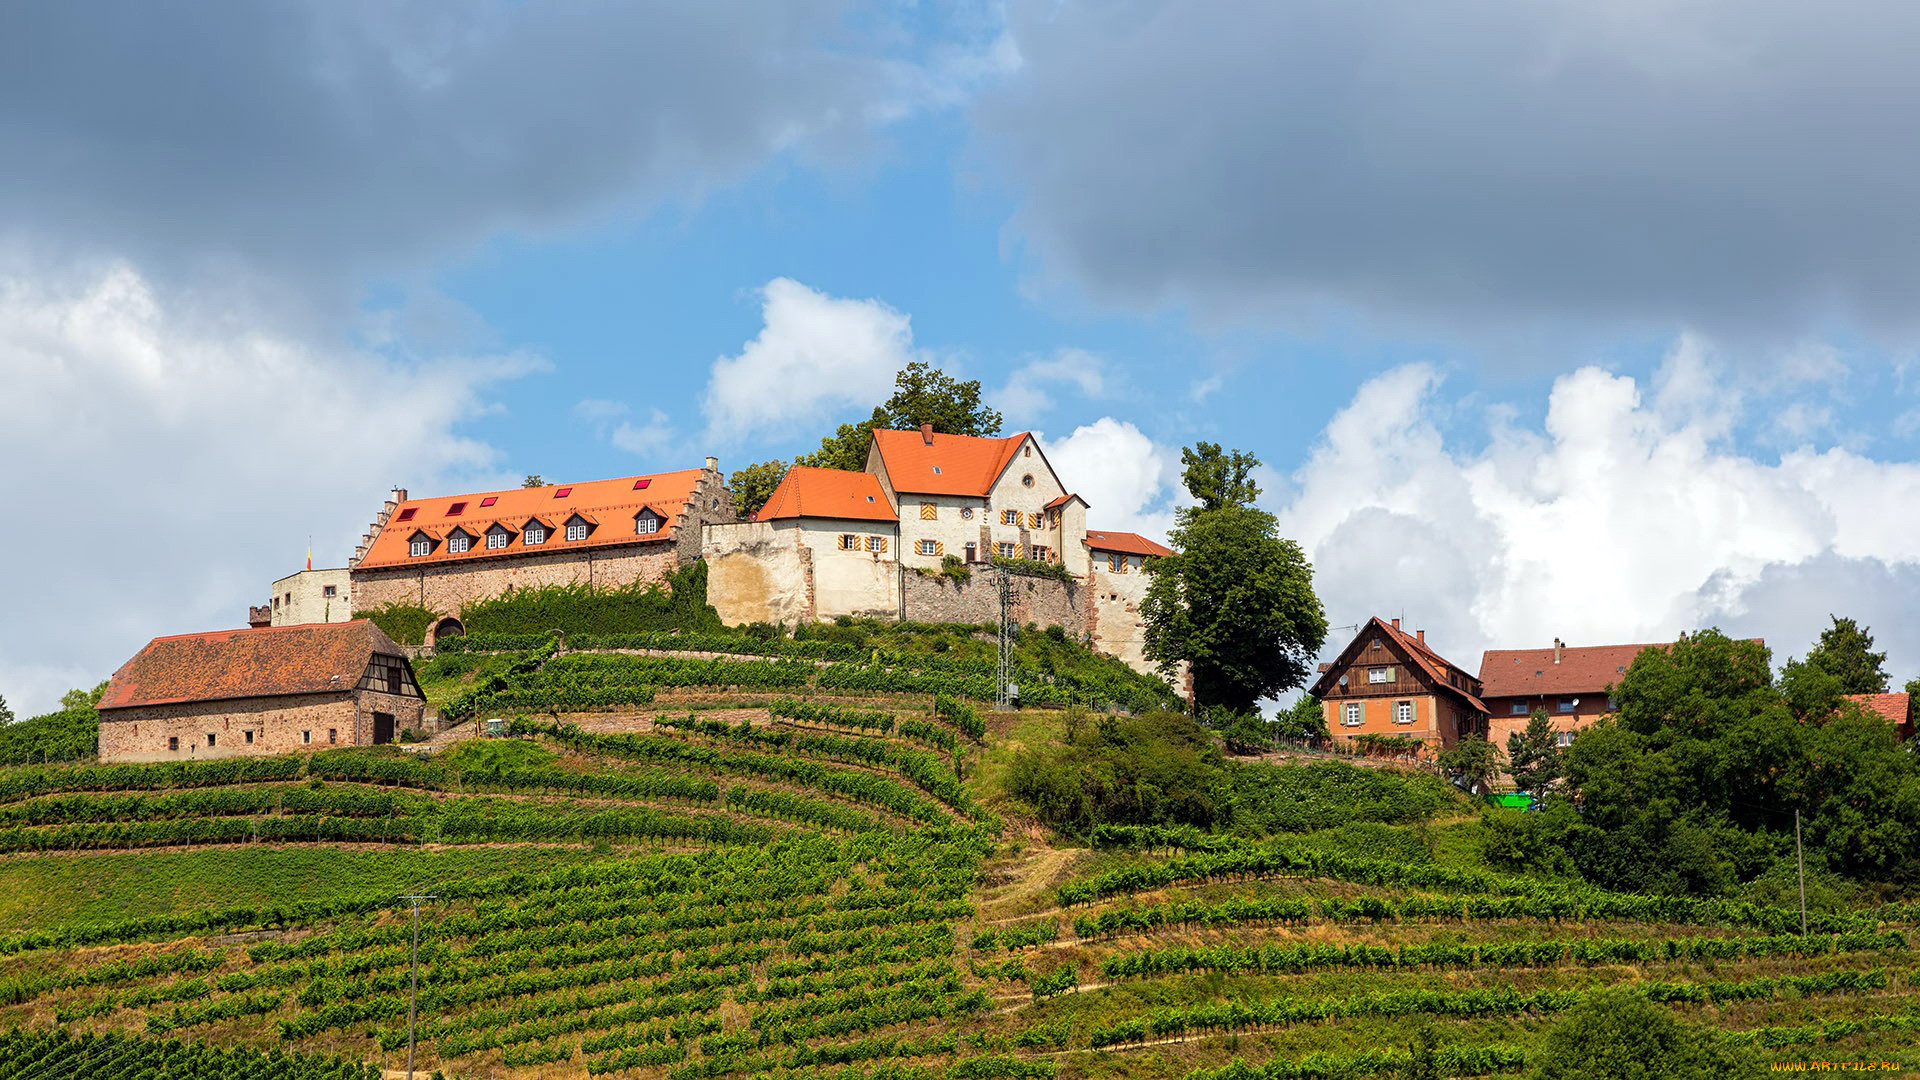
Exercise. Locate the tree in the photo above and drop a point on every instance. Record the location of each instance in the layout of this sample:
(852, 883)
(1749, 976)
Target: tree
(1244, 733)
(1845, 651)
(1306, 719)
(923, 394)
(1616, 1033)
(1236, 602)
(750, 487)
(533, 481)
(1533, 757)
(84, 699)
(6, 714)
(1474, 759)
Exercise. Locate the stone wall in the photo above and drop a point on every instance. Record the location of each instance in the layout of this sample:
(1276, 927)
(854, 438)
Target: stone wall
(759, 572)
(278, 725)
(446, 588)
(302, 597)
(1043, 601)
(1116, 625)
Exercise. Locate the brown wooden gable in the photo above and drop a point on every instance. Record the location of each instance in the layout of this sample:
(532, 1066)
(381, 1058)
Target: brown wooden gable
(1409, 671)
(390, 675)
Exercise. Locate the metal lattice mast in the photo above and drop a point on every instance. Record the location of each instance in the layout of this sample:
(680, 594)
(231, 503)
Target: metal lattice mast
(413, 995)
(1003, 677)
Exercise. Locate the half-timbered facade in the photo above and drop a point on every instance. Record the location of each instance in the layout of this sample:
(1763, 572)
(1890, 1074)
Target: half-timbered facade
(1389, 682)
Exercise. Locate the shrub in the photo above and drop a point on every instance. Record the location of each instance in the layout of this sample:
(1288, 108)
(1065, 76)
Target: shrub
(404, 623)
(679, 604)
(1618, 1034)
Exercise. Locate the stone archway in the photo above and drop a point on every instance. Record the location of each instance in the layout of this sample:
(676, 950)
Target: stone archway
(446, 628)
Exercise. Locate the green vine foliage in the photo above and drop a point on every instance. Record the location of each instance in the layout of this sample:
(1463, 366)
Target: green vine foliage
(679, 604)
(404, 623)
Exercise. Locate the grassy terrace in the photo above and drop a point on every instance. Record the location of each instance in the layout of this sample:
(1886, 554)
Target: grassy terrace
(685, 868)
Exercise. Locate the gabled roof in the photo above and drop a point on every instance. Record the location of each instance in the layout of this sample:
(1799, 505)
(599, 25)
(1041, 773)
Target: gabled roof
(1126, 543)
(1895, 707)
(612, 502)
(1431, 664)
(966, 464)
(828, 493)
(1588, 669)
(1064, 500)
(309, 658)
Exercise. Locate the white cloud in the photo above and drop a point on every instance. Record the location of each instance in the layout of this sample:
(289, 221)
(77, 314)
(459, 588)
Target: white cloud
(1203, 389)
(1026, 396)
(172, 464)
(1129, 481)
(1621, 519)
(815, 355)
(653, 437)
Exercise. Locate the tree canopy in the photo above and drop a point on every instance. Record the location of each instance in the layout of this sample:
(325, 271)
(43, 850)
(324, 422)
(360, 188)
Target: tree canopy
(1616, 1033)
(1533, 755)
(751, 486)
(1845, 652)
(1236, 601)
(923, 394)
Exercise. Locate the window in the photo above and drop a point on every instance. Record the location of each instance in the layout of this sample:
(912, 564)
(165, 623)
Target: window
(1613, 703)
(877, 544)
(929, 547)
(489, 500)
(1042, 553)
(1027, 480)
(535, 534)
(1116, 564)
(276, 603)
(641, 484)
(456, 543)
(456, 509)
(329, 590)
(333, 735)
(577, 531)
(966, 513)
(1379, 674)
(1009, 517)
(1403, 712)
(419, 547)
(497, 538)
(249, 736)
(1567, 704)
(1519, 708)
(173, 742)
(1053, 518)
(1564, 739)
(1350, 714)
(929, 512)
(646, 524)
(210, 738)
(971, 550)
(306, 736)
(561, 493)
(406, 515)
(1027, 450)
(1007, 551)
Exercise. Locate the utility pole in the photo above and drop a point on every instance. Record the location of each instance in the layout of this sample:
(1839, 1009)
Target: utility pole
(1800, 857)
(413, 995)
(1004, 690)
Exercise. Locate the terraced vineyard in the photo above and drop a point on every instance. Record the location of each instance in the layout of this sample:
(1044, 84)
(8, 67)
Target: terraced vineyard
(798, 866)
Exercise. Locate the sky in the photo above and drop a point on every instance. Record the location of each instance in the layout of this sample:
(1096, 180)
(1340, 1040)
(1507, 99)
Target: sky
(1546, 319)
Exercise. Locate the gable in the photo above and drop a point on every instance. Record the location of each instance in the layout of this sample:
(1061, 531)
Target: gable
(1426, 668)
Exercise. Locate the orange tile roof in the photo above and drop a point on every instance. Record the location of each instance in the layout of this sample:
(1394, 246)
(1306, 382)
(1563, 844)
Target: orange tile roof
(828, 493)
(1895, 707)
(1125, 543)
(609, 505)
(1587, 669)
(310, 658)
(952, 465)
(1064, 500)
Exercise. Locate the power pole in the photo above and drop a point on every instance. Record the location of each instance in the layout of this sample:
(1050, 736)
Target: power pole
(1800, 857)
(413, 995)
(1004, 690)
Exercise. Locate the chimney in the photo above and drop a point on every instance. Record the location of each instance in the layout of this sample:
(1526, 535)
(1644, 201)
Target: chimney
(1557, 646)
(399, 495)
(926, 434)
(713, 463)
(1396, 624)
(1421, 635)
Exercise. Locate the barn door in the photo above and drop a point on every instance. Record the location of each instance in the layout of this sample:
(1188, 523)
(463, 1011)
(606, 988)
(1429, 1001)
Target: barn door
(382, 727)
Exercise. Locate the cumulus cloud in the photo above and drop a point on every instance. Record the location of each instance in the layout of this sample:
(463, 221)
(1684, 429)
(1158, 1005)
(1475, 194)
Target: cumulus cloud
(614, 422)
(170, 465)
(1625, 517)
(815, 356)
(1129, 481)
(1029, 391)
(1729, 164)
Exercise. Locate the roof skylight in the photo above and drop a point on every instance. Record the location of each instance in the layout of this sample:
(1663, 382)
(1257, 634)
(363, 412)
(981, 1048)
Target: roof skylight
(561, 493)
(489, 500)
(406, 515)
(456, 508)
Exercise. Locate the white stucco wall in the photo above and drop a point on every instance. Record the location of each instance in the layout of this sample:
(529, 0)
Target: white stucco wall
(1117, 627)
(302, 598)
(859, 583)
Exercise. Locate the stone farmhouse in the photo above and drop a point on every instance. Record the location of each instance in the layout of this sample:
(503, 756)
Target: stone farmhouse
(260, 691)
(876, 543)
(449, 551)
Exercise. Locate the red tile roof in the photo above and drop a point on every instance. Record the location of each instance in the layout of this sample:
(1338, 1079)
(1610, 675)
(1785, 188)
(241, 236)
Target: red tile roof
(951, 465)
(1895, 707)
(1125, 543)
(1064, 500)
(1587, 669)
(828, 493)
(611, 505)
(311, 658)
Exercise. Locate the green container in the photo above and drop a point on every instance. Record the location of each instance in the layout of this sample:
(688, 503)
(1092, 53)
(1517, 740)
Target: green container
(1518, 800)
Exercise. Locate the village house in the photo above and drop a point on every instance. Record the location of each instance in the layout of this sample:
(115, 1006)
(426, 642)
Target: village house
(1389, 682)
(1117, 574)
(1568, 683)
(256, 692)
(449, 551)
(1897, 709)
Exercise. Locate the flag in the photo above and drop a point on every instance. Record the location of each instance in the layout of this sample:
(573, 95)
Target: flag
(309, 556)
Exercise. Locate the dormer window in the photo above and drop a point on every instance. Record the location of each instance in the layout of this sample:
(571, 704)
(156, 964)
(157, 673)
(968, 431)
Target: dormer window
(578, 527)
(498, 537)
(646, 523)
(534, 534)
(419, 544)
(460, 541)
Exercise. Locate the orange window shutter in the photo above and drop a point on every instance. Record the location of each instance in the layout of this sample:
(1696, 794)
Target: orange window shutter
(939, 547)
(1033, 520)
(927, 512)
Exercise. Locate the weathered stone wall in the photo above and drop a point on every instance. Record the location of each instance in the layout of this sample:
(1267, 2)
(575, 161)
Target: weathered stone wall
(279, 725)
(447, 588)
(1043, 601)
(1115, 622)
(302, 598)
(759, 571)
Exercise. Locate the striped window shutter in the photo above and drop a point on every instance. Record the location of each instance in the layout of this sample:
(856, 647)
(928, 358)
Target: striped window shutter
(928, 512)
(939, 547)
(1033, 520)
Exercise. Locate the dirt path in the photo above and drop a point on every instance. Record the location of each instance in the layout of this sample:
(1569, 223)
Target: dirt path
(1035, 875)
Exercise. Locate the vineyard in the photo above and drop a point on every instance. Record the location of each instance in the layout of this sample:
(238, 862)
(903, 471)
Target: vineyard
(698, 862)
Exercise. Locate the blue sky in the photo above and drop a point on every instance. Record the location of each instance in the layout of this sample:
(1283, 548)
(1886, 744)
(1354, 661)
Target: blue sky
(1546, 320)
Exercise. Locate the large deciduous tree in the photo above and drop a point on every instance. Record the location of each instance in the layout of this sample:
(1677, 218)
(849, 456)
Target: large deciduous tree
(1236, 601)
(751, 486)
(1845, 652)
(922, 394)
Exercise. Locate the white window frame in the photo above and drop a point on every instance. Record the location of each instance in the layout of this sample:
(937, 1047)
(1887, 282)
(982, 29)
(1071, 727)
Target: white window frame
(1518, 708)
(498, 539)
(1567, 705)
(1042, 553)
(646, 525)
(533, 535)
(1350, 715)
(1009, 517)
(966, 513)
(459, 542)
(1403, 712)
(1116, 564)
(929, 547)
(1563, 739)
(877, 545)
(1006, 550)
(577, 531)
(1379, 675)
(417, 548)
